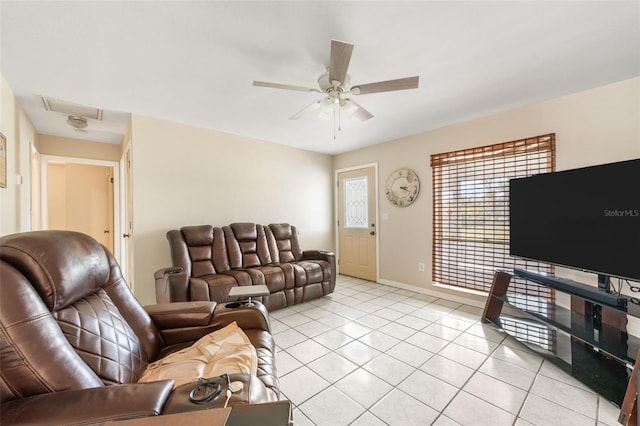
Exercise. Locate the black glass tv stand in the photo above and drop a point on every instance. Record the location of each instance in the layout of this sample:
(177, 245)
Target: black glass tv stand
(589, 339)
(573, 287)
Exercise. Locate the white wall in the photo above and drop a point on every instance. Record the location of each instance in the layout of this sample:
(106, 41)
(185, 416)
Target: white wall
(15, 199)
(184, 175)
(593, 127)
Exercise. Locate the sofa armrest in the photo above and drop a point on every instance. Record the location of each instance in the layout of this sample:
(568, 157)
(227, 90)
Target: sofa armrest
(183, 322)
(181, 314)
(254, 316)
(89, 406)
(329, 256)
(172, 285)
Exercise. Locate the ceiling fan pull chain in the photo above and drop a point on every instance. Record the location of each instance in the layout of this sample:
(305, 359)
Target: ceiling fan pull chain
(334, 123)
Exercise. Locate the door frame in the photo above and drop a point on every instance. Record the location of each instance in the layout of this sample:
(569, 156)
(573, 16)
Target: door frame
(126, 221)
(45, 160)
(35, 170)
(336, 213)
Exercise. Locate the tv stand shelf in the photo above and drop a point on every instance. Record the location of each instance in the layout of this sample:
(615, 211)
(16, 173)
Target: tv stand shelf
(589, 340)
(575, 288)
(607, 338)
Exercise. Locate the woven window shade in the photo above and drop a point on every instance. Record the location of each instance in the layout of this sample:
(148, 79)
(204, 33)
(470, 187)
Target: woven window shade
(471, 212)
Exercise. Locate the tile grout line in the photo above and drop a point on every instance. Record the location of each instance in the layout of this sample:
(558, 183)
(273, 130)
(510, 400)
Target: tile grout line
(333, 305)
(362, 366)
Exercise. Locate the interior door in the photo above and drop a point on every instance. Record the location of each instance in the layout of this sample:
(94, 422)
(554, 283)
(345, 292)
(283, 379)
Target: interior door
(357, 223)
(80, 198)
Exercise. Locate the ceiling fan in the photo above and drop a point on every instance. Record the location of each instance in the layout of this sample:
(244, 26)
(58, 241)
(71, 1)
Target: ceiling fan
(335, 83)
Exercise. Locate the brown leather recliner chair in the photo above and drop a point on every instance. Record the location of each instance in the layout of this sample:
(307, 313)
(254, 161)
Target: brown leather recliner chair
(74, 340)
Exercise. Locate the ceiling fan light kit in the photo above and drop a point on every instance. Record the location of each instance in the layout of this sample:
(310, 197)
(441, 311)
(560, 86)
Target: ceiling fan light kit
(335, 83)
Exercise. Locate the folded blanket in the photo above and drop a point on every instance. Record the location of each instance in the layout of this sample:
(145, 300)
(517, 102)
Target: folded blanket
(225, 351)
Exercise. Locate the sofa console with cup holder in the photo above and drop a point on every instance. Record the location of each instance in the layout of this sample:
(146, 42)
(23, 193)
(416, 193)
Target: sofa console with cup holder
(209, 261)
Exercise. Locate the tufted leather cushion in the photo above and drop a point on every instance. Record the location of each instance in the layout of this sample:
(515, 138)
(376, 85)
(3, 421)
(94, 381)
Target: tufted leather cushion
(102, 338)
(28, 367)
(265, 349)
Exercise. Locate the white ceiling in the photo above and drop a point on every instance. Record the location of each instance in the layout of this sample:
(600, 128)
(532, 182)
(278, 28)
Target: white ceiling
(194, 62)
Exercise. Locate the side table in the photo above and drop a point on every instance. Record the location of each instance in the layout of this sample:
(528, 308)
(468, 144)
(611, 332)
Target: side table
(249, 291)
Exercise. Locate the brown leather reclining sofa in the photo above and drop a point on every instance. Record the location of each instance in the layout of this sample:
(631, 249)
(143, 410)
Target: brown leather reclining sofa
(74, 340)
(208, 261)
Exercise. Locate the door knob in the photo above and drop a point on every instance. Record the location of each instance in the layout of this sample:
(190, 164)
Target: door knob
(372, 233)
(126, 235)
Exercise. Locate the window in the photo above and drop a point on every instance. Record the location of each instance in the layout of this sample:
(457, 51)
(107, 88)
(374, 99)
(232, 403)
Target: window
(471, 211)
(355, 203)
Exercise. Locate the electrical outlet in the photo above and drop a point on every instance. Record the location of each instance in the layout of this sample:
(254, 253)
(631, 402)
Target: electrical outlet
(421, 267)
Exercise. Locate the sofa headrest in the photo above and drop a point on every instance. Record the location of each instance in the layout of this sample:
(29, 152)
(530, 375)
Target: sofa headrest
(62, 266)
(200, 235)
(244, 231)
(282, 231)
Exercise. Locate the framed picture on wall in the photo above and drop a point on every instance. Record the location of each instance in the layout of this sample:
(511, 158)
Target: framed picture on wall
(3, 161)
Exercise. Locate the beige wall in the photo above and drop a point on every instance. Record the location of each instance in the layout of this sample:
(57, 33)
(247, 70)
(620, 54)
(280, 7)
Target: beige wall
(77, 148)
(57, 194)
(15, 199)
(183, 175)
(592, 127)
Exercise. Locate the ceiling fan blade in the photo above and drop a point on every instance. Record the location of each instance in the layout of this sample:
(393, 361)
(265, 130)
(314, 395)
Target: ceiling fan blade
(284, 86)
(355, 109)
(339, 62)
(386, 86)
(306, 110)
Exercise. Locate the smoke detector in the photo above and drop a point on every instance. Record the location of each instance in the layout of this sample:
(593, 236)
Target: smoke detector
(77, 122)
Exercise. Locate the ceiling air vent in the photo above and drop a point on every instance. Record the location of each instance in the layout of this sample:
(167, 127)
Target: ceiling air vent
(68, 108)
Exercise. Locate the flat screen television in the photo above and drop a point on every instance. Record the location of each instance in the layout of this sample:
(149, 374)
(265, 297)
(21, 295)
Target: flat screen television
(586, 219)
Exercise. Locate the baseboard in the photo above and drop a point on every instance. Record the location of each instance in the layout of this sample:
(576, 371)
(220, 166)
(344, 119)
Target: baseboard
(439, 295)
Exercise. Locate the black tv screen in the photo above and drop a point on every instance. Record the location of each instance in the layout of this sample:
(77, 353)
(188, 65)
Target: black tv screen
(587, 218)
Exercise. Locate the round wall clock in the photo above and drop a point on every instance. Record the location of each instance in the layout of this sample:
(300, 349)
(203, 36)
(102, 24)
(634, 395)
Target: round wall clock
(402, 187)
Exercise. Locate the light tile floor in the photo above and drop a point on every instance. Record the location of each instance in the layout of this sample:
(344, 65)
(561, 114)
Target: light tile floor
(370, 354)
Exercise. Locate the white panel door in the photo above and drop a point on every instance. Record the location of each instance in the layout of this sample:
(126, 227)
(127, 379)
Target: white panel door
(357, 223)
